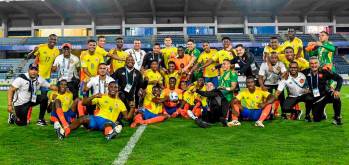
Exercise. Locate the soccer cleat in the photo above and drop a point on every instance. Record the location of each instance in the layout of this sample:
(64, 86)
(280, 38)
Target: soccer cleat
(224, 122)
(11, 118)
(111, 135)
(284, 116)
(337, 121)
(259, 124)
(59, 131)
(298, 115)
(201, 123)
(307, 118)
(118, 128)
(233, 123)
(41, 122)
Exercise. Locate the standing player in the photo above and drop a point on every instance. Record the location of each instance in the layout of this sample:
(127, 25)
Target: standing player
(324, 50)
(110, 106)
(290, 57)
(228, 81)
(227, 52)
(68, 67)
(194, 53)
(182, 60)
(137, 53)
(168, 51)
(155, 55)
(90, 61)
(294, 42)
(45, 56)
(118, 63)
(273, 46)
(207, 62)
(257, 105)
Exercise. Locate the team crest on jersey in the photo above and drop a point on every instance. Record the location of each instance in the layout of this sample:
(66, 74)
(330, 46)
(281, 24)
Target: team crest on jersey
(110, 108)
(301, 81)
(321, 75)
(96, 59)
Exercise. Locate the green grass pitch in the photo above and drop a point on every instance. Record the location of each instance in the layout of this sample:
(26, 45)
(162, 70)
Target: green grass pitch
(178, 141)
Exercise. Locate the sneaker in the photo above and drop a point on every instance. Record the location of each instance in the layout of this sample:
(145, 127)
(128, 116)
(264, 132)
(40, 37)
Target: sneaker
(233, 123)
(41, 122)
(337, 121)
(297, 115)
(307, 118)
(259, 124)
(59, 131)
(201, 123)
(111, 135)
(11, 118)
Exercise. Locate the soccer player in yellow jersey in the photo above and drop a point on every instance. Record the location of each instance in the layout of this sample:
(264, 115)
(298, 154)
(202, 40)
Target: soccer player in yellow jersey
(45, 55)
(294, 42)
(100, 46)
(274, 46)
(153, 75)
(172, 72)
(90, 61)
(207, 62)
(110, 106)
(64, 108)
(168, 51)
(290, 57)
(118, 63)
(227, 52)
(252, 104)
(153, 110)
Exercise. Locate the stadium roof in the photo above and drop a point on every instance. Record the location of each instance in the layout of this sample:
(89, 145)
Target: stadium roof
(169, 8)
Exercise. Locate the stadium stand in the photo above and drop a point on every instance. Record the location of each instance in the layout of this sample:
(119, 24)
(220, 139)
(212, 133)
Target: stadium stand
(266, 37)
(176, 39)
(203, 38)
(238, 37)
(305, 37)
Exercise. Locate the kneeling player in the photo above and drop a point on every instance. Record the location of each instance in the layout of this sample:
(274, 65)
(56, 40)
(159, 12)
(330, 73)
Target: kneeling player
(153, 110)
(110, 106)
(257, 105)
(64, 108)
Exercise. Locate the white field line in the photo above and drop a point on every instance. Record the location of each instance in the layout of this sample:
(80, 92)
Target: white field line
(127, 150)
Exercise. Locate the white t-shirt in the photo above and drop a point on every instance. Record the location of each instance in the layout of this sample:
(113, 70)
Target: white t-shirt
(67, 67)
(98, 85)
(295, 86)
(22, 94)
(272, 78)
(138, 56)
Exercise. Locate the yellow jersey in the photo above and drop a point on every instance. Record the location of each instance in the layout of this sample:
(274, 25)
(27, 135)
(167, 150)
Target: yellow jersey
(101, 51)
(252, 100)
(279, 50)
(66, 99)
(153, 76)
(295, 44)
(116, 64)
(155, 108)
(224, 54)
(302, 63)
(91, 62)
(109, 108)
(204, 57)
(175, 74)
(45, 58)
(168, 53)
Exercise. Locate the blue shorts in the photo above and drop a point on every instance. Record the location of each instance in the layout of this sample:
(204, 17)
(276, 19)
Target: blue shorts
(147, 114)
(171, 110)
(69, 115)
(213, 80)
(98, 123)
(45, 89)
(251, 114)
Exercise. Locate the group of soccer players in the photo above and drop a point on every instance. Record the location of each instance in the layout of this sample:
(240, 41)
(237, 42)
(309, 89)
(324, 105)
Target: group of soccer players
(175, 82)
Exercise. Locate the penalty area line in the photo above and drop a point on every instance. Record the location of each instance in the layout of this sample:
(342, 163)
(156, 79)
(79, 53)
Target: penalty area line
(127, 150)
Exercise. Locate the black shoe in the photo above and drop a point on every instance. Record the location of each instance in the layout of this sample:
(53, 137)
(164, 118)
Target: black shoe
(11, 118)
(284, 116)
(111, 135)
(337, 121)
(201, 123)
(224, 122)
(41, 122)
(307, 118)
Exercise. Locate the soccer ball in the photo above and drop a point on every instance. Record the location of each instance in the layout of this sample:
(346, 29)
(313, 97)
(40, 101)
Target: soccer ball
(173, 96)
(118, 128)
